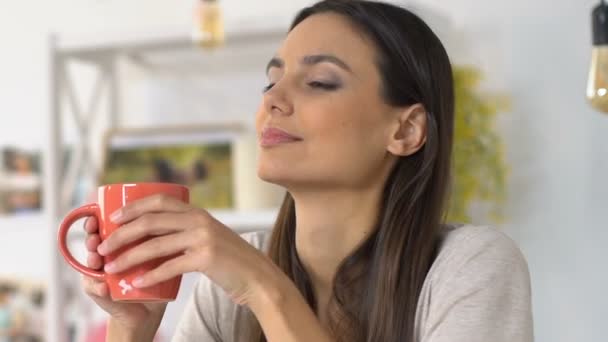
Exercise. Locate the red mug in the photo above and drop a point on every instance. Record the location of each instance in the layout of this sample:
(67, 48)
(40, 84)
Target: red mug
(111, 198)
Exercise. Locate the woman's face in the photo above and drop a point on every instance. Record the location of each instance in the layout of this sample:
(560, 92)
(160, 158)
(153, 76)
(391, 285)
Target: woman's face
(324, 90)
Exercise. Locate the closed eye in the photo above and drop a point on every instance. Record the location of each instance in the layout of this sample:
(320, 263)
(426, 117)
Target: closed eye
(268, 87)
(314, 85)
(323, 86)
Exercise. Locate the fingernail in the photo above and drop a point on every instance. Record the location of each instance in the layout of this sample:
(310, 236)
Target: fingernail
(111, 267)
(138, 282)
(102, 249)
(116, 216)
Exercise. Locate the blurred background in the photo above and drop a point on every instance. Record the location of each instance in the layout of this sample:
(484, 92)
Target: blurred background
(172, 86)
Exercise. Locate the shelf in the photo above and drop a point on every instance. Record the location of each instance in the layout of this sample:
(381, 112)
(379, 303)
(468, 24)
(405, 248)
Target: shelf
(142, 43)
(164, 52)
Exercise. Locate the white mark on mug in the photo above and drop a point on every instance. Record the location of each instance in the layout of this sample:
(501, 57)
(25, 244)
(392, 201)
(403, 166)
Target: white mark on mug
(125, 286)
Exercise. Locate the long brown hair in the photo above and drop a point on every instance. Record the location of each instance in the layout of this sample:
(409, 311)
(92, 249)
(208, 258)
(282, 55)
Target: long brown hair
(376, 288)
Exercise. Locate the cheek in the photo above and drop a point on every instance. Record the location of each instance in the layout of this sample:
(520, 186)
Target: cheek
(343, 142)
(346, 130)
(346, 147)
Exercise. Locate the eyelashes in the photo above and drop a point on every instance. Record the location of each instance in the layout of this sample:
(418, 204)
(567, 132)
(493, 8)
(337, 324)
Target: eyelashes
(314, 85)
(323, 85)
(267, 88)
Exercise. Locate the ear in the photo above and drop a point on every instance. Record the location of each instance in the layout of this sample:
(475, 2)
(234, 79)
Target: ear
(408, 133)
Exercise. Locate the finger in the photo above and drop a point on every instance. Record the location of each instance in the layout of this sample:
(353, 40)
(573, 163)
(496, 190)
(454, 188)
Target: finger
(94, 288)
(150, 204)
(152, 249)
(167, 270)
(145, 226)
(90, 225)
(93, 242)
(94, 261)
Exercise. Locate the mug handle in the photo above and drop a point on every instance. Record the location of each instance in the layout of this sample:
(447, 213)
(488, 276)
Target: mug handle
(68, 221)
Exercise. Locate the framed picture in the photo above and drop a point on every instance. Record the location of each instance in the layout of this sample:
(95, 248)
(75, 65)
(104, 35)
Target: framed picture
(20, 181)
(22, 310)
(200, 157)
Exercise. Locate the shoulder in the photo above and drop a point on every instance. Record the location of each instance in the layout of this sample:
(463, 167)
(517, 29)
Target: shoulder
(455, 235)
(479, 273)
(479, 247)
(472, 258)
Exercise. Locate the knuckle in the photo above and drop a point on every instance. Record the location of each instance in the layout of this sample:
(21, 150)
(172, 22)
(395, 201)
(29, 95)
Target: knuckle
(155, 245)
(88, 285)
(114, 237)
(123, 260)
(202, 236)
(206, 258)
(210, 252)
(89, 222)
(201, 217)
(145, 220)
(146, 224)
(163, 268)
(127, 210)
(201, 214)
(129, 257)
(126, 230)
(91, 260)
(92, 238)
(160, 200)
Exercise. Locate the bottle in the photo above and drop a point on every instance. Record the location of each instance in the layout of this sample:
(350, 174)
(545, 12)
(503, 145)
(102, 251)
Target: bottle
(597, 86)
(208, 24)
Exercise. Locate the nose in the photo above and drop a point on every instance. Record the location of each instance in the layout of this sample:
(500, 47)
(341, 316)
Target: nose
(277, 100)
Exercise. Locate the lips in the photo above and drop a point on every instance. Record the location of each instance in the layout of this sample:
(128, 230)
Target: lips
(272, 136)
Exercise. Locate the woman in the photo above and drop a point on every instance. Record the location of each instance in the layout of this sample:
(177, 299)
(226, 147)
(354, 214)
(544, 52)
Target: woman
(356, 123)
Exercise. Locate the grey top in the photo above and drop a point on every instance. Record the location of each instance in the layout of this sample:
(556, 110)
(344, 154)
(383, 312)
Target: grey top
(477, 290)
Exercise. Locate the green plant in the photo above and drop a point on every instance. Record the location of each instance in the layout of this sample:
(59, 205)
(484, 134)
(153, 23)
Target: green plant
(479, 168)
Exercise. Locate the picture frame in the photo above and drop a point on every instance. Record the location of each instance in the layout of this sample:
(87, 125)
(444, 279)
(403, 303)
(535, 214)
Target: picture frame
(21, 183)
(23, 308)
(198, 156)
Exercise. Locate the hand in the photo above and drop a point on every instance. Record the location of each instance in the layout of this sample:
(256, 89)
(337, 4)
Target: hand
(201, 243)
(130, 316)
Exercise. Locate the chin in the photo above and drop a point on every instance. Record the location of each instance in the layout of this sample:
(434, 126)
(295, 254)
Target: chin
(291, 174)
(272, 175)
(281, 174)
(272, 168)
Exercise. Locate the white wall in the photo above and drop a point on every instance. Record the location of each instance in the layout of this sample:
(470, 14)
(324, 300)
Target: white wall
(557, 151)
(538, 51)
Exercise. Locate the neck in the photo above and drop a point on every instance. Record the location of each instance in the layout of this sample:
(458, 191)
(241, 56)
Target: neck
(329, 227)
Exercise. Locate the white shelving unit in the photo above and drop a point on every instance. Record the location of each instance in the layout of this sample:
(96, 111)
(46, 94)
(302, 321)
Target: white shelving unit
(104, 53)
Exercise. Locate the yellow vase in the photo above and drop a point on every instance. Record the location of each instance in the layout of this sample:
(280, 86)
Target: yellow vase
(208, 24)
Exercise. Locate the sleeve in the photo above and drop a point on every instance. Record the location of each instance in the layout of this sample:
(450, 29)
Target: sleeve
(199, 321)
(483, 295)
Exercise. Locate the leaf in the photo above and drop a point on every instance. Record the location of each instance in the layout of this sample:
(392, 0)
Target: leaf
(479, 168)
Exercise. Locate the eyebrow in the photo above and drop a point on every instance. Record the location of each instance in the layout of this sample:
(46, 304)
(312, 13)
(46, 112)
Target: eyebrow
(309, 61)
